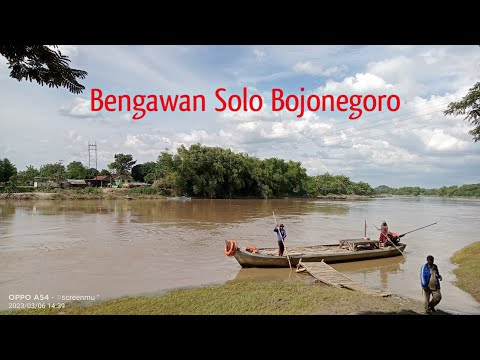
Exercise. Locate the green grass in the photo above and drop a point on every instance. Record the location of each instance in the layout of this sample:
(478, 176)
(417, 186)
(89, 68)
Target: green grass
(468, 271)
(243, 297)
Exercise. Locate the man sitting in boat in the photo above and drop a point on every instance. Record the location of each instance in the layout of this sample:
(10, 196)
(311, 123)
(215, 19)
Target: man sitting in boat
(281, 234)
(387, 238)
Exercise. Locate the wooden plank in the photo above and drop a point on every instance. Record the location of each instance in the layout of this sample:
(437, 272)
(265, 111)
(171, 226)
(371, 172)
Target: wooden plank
(328, 275)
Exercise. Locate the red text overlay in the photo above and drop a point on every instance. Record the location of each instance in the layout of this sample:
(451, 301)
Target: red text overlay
(142, 104)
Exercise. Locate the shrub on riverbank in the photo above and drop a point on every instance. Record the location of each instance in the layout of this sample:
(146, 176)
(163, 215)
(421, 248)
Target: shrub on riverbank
(146, 191)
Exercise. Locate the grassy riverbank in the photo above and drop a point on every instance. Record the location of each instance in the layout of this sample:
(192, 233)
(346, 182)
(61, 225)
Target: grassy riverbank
(243, 297)
(83, 194)
(130, 194)
(468, 271)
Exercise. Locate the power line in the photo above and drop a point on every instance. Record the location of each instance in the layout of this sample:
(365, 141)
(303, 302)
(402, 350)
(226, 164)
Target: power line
(386, 119)
(369, 129)
(381, 127)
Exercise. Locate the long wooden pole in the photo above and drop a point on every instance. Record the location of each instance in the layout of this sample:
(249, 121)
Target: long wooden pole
(281, 237)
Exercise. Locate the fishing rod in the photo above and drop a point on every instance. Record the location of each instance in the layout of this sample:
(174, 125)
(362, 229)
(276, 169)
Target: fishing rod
(408, 232)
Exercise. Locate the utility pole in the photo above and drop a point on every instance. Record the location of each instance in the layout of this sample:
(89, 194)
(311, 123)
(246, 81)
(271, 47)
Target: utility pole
(60, 162)
(92, 155)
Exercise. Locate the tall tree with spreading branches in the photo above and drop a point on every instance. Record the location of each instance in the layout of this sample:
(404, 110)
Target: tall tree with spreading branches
(469, 105)
(46, 65)
(123, 164)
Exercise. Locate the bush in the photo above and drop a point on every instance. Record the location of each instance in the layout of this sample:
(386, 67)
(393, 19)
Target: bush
(145, 191)
(23, 189)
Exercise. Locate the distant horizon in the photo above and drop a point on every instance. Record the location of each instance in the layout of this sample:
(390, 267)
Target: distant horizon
(416, 144)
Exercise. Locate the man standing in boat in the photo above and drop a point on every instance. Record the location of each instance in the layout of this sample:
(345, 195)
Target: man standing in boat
(281, 235)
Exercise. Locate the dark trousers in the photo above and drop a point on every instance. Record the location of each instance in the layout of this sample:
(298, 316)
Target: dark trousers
(281, 248)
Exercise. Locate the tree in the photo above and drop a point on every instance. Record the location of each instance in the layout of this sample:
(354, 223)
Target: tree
(76, 170)
(53, 171)
(122, 164)
(470, 104)
(27, 176)
(362, 188)
(91, 173)
(44, 65)
(7, 170)
(140, 171)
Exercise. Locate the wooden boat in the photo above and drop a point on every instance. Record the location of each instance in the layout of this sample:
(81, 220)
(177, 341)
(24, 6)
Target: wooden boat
(345, 251)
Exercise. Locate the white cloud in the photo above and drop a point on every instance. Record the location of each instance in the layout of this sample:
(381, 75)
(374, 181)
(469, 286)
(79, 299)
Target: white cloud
(73, 136)
(433, 56)
(392, 69)
(398, 71)
(248, 126)
(69, 50)
(259, 54)
(402, 48)
(4, 70)
(358, 84)
(78, 108)
(311, 69)
(440, 140)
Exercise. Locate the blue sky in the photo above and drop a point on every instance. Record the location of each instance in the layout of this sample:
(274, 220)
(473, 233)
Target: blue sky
(415, 146)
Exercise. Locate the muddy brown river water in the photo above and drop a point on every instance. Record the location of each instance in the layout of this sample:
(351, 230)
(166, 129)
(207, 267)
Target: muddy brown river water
(105, 249)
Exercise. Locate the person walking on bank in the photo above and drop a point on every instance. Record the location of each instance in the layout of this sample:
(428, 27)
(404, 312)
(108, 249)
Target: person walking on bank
(281, 235)
(430, 280)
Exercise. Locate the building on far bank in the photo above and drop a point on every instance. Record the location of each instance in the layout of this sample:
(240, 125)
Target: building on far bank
(44, 182)
(74, 184)
(120, 180)
(99, 181)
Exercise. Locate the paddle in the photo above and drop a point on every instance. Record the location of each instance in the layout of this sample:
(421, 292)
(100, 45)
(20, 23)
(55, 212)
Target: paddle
(279, 232)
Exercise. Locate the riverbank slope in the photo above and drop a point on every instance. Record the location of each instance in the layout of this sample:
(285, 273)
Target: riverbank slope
(468, 271)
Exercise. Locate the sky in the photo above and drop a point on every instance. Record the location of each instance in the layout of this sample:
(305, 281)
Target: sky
(416, 145)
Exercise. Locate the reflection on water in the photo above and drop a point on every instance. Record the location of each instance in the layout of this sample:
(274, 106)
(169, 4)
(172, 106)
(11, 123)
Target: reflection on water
(379, 268)
(124, 247)
(204, 211)
(7, 210)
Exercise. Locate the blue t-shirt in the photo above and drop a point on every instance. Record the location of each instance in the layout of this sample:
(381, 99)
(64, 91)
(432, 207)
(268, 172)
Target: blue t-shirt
(282, 231)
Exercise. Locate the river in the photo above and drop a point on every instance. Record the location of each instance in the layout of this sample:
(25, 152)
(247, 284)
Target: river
(104, 249)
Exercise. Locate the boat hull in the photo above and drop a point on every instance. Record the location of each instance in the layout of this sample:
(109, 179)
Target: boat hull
(247, 259)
